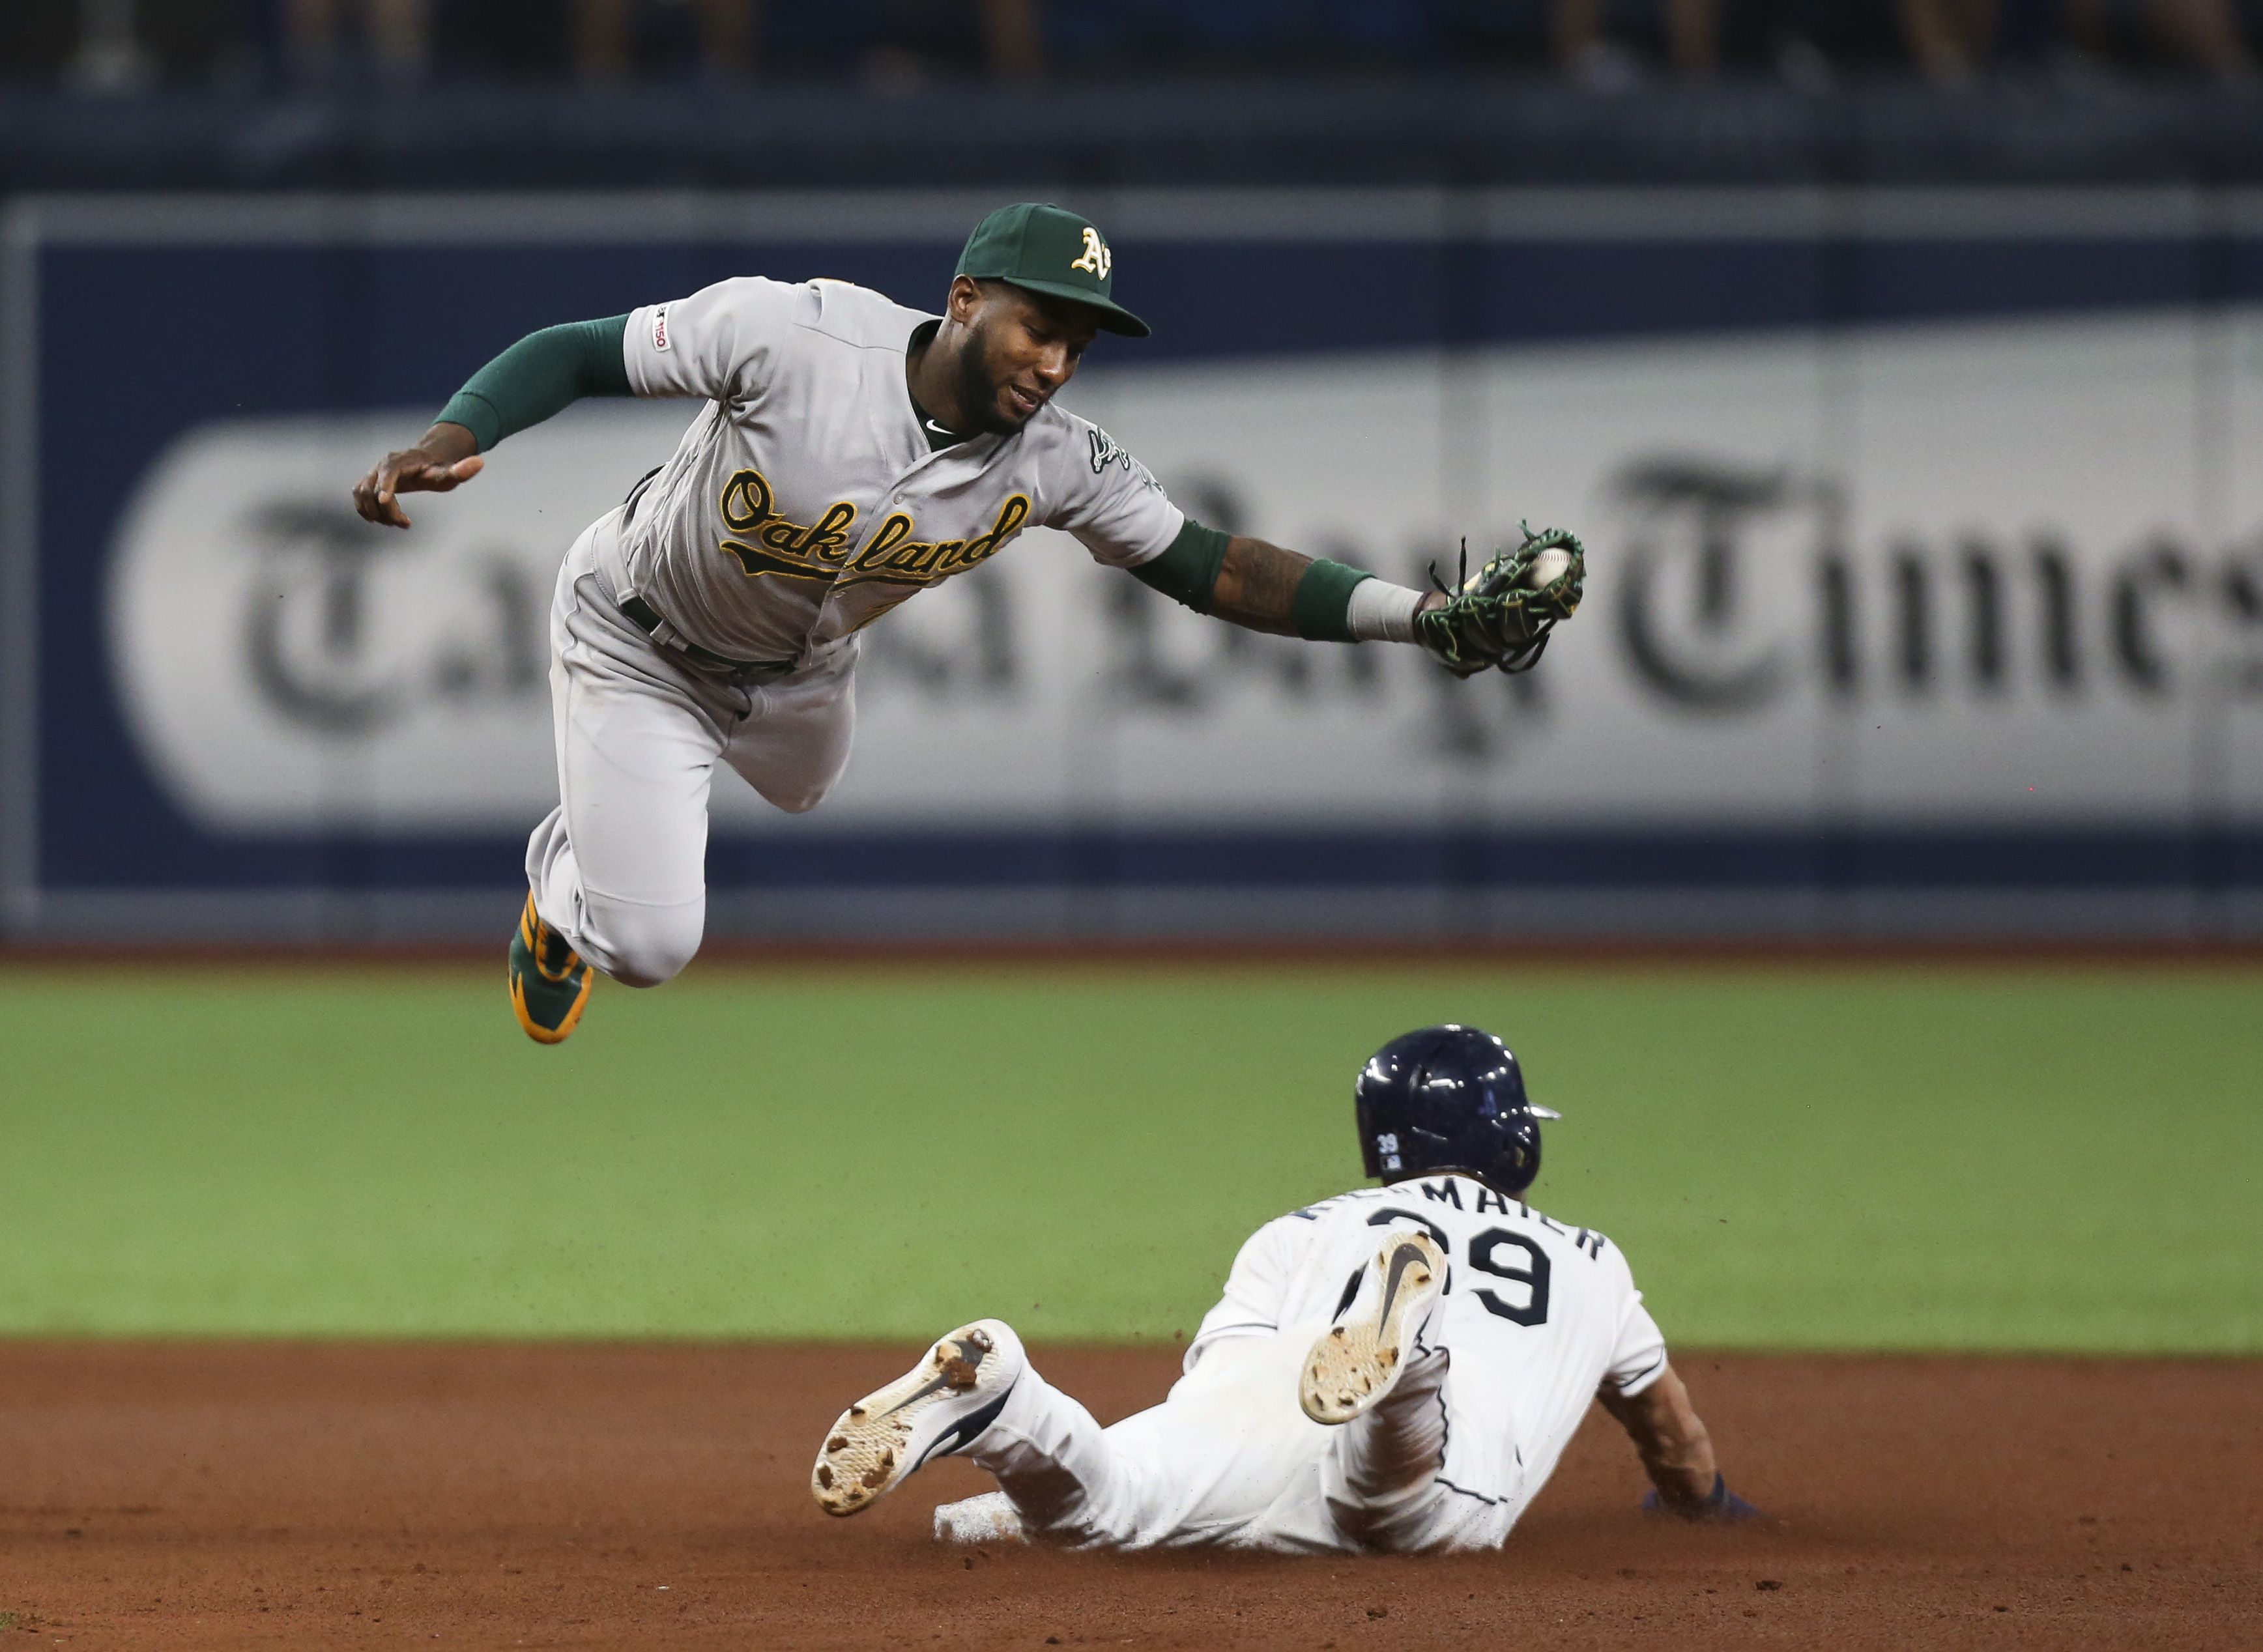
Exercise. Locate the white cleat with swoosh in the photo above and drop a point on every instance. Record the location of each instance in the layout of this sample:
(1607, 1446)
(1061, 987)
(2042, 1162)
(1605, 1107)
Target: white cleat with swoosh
(938, 1407)
(1358, 1360)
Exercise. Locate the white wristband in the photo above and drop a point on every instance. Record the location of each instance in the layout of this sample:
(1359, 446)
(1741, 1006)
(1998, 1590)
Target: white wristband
(1380, 612)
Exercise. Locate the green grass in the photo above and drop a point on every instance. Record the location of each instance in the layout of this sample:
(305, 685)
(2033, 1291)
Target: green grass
(1791, 1157)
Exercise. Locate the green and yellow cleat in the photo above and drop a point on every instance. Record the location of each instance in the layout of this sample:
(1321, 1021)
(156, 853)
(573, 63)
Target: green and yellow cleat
(549, 983)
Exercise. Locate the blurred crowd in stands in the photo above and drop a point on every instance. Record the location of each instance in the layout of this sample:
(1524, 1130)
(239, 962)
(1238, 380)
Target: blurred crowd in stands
(126, 45)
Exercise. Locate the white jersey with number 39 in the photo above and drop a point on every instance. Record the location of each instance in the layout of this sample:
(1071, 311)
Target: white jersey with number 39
(1535, 1318)
(1539, 1315)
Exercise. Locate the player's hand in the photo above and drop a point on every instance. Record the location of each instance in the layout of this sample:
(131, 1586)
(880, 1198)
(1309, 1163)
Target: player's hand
(445, 459)
(1722, 1506)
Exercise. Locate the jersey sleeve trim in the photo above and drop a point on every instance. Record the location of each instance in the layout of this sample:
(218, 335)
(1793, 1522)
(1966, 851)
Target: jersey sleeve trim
(1638, 1351)
(1641, 1379)
(646, 322)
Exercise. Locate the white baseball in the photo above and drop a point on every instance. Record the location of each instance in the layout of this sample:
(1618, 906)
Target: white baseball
(1548, 567)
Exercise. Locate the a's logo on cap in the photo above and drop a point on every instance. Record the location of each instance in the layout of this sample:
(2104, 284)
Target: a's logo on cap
(1096, 257)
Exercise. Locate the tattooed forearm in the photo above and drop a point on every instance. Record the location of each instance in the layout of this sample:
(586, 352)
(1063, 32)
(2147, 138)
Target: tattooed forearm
(1257, 585)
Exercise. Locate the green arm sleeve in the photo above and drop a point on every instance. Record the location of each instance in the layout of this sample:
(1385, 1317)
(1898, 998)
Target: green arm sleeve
(543, 373)
(1187, 571)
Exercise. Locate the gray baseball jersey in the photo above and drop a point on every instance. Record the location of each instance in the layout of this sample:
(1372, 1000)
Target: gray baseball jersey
(807, 500)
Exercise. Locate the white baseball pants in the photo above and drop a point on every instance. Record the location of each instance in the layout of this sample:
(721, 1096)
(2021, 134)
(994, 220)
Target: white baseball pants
(1230, 1458)
(620, 867)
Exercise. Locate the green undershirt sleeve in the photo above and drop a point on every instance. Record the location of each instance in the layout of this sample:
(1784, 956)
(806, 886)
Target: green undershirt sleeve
(1187, 571)
(542, 374)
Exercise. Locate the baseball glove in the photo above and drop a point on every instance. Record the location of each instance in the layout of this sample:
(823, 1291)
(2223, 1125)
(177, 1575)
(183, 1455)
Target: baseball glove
(1502, 614)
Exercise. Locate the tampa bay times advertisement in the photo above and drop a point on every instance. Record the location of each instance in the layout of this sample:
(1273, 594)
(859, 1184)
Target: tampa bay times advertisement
(1969, 573)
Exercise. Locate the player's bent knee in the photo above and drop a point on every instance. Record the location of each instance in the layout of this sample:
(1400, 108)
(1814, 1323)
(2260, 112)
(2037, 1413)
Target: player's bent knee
(653, 967)
(656, 963)
(799, 802)
(650, 947)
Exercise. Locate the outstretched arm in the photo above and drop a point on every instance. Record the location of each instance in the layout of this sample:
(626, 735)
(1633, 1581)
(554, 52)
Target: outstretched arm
(1269, 589)
(541, 375)
(1676, 1451)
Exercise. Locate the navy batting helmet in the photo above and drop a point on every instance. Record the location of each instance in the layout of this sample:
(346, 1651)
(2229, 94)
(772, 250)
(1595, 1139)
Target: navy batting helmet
(1449, 1097)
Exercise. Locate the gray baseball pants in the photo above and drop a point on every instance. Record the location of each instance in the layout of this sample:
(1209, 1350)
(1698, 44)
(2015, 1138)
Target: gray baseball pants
(620, 867)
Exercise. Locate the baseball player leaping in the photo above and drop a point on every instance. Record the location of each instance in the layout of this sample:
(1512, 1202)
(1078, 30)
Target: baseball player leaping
(851, 453)
(1394, 1369)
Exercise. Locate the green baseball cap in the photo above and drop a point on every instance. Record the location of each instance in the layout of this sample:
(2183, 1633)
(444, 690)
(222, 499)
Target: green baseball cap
(1050, 250)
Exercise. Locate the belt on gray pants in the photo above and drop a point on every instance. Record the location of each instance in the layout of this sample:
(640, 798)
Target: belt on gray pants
(647, 619)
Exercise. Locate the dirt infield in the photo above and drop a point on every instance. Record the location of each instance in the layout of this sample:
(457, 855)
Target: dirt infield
(193, 1494)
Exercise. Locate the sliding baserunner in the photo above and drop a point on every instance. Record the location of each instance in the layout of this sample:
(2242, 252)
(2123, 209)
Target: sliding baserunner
(1394, 1369)
(852, 452)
